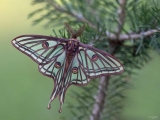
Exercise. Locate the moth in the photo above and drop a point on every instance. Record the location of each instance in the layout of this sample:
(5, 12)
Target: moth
(67, 61)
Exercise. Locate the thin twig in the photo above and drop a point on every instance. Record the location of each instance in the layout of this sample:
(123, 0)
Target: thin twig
(131, 36)
(121, 16)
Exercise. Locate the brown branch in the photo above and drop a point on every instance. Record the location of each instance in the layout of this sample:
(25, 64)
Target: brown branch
(123, 37)
(121, 16)
(100, 98)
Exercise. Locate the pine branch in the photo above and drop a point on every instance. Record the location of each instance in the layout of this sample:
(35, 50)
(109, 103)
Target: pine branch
(100, 98)
(115, 35)
(74, 14)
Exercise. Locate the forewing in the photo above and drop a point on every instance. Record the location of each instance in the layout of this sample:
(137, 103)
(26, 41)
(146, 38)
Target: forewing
(97, 63)
(40, 48)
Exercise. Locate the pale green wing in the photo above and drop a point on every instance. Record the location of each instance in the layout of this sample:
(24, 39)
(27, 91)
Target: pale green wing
(97, 63)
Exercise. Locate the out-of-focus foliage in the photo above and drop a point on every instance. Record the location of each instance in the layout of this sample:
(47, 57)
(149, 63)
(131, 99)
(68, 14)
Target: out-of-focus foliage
(100, 18)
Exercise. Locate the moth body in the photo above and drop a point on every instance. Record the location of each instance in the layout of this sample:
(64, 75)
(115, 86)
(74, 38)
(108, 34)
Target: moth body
(71, 49)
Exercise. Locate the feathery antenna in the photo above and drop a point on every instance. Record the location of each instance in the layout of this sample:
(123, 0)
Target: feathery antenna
(72, 32)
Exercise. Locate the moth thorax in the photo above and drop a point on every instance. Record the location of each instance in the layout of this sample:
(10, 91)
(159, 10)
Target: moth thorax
(45, 44)
(72, 44)
(94, 57)
(75, 45)
(74, 70)
(57, 65)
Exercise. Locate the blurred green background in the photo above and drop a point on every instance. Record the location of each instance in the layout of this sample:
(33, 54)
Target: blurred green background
(25, 92)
